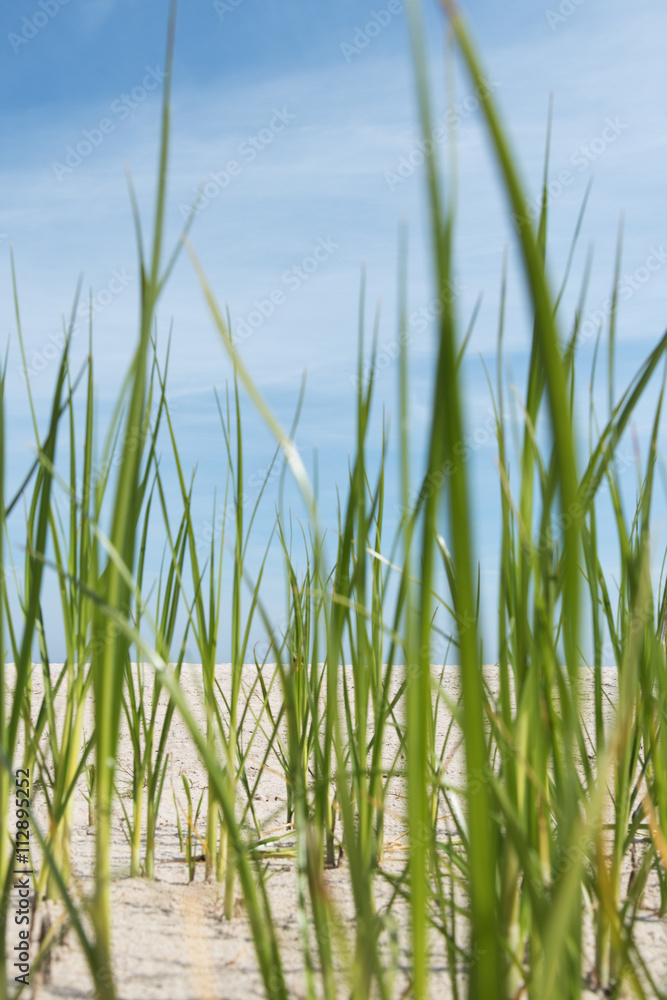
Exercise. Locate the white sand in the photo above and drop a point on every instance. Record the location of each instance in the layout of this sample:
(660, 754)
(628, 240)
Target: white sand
(170, 937)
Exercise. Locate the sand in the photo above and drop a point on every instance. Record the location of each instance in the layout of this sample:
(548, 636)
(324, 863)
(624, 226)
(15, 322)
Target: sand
(171, 940)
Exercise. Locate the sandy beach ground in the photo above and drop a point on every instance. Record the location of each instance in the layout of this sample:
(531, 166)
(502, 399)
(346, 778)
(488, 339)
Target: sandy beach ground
(170, 938)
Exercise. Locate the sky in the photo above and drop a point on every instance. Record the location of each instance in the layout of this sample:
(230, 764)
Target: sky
(298, 121)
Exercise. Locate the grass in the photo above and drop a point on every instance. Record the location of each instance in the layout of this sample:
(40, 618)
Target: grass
(552, 813)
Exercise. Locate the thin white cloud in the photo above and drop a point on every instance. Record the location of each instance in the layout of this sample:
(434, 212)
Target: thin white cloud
(94, 13)
(325, 175)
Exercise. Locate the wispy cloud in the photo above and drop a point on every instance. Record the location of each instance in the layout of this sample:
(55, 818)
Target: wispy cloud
(94, 13)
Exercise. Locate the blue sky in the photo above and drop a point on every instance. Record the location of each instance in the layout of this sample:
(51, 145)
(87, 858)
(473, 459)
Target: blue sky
(302, 124)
